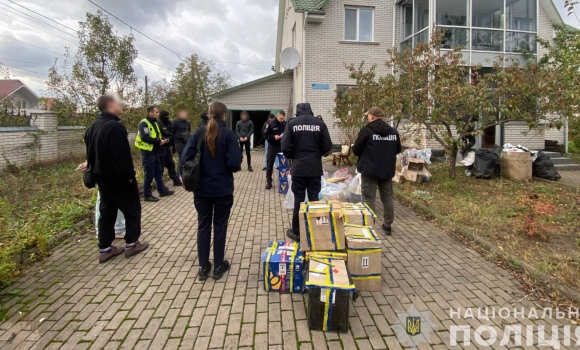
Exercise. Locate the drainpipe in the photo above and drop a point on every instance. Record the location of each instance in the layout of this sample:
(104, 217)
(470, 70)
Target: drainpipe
(566, 136)
(304, 58)
(394, 28)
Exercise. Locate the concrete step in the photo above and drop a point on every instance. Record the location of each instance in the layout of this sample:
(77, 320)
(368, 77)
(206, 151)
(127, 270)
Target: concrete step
(570, 166)
(553, 154)
(561, 160)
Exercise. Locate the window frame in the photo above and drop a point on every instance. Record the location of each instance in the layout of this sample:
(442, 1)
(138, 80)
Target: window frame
(358, 8)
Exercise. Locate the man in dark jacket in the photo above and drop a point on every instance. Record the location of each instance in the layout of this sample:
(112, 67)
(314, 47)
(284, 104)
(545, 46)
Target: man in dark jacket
(181, 132)
(109, 159)
(166, 156)
(244, 132)
(376, 147)
(306, 140)
(149, 141)
(204, 119)
(273, 134)
(271, 118)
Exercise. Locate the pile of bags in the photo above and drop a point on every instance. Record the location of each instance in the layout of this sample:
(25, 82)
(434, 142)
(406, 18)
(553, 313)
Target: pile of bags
(412, 166)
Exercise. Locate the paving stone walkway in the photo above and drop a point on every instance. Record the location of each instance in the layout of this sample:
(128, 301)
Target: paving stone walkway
(154, 301)
(571, 177)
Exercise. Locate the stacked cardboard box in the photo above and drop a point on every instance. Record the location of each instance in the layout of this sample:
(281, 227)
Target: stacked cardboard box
(282, 265)
(283, 174)
(415, 171)
(358, 214)
(364, 257)
(321, 226)
(329, 286)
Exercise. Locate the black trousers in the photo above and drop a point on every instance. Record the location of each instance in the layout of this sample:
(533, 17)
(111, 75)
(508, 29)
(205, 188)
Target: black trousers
(301, 185)
(179, 148)
(248, 150)
(217, 211)
(123, 197)
(272, 154)
(167, 162)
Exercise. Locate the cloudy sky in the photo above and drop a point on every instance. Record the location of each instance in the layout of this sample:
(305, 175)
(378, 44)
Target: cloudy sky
(236, 31)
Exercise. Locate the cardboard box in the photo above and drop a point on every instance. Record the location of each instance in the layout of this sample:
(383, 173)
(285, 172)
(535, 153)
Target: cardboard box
(325, 254)
(398, 165)
(358, 214)
(329, 286)
(414, 175)
(398, 178)
(321, 226)
(283, 163)
(283, 187)
(516, 165)
(282, 268)
(364, 252)
(416, 164)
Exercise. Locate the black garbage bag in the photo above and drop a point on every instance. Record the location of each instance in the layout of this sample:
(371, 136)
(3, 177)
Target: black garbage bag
(486, 163)
(544, 168)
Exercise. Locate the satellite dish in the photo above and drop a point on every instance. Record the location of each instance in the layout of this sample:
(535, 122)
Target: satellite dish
(289, 58)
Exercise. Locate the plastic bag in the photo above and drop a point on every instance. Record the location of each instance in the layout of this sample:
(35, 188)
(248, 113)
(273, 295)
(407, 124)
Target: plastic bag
(469, 159)
(355, 185)
(424, 154)
(408, 154)
(544, 168)
(334, 192)
(340, 173)
(486, 163)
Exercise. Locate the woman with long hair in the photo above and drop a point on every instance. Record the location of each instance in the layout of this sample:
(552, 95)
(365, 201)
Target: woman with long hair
(220, 159)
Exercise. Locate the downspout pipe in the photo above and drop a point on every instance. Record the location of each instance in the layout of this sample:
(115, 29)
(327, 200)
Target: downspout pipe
(304, 57)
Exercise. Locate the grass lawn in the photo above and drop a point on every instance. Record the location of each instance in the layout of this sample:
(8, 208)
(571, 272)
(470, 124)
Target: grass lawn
(536, 222)
(36, 204)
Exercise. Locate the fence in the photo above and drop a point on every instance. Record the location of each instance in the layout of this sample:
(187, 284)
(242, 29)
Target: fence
(35, 137)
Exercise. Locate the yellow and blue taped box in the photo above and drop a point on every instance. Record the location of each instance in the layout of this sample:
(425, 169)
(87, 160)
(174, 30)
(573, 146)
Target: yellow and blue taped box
(364, 250)
(358, 214)
(282, 264)
(321, 226)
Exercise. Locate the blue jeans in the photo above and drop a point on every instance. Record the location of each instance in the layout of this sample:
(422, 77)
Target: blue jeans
(153, 170)
(276, 162)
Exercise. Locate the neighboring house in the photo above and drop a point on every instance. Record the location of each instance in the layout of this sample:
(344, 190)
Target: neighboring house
(21, 96)
(329, 34)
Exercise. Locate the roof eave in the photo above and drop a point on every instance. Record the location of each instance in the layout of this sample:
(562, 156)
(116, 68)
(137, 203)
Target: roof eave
(250, 83)
(27, 88)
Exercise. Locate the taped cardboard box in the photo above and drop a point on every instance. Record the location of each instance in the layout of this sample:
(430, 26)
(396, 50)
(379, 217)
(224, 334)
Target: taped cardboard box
(282, 267)
(321, 226)
(325, 254)
(415, 175)
(358, 214)
(398, 178)
(516, 165)
(329, 287)
(364, 252)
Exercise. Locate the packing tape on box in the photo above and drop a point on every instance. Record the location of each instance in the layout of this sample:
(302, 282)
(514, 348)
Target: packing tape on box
(292, 258)
(364, 250)
(270, 250)
(332, 220)
(356, 207)
(326, 254)
(371, 277)
(371, 231)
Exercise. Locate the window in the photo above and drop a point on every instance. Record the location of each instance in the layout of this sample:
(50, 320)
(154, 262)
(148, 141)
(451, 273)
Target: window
(521, 15)
(407, 21)
(452, 13)
(488, 14)
(21, 104)
(358, 24)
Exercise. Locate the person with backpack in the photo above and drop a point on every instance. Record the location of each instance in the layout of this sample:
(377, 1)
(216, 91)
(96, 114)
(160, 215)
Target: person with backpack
(214, 153)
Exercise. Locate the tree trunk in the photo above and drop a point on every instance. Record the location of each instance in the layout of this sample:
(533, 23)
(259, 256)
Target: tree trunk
(452, 161)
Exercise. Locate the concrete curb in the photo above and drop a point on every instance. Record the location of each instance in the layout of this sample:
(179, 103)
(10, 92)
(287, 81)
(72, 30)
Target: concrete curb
(461, 231)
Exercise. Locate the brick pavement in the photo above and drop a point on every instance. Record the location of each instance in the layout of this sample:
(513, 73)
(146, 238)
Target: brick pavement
(153, 300)
(570, 177)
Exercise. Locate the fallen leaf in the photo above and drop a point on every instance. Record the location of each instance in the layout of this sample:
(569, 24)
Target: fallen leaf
(42, 319)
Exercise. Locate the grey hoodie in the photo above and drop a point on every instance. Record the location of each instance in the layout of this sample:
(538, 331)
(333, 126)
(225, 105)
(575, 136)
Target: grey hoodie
(245, 128)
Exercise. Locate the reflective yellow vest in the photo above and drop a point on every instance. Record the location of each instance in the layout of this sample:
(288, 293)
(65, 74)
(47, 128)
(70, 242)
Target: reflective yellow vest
(153, 131)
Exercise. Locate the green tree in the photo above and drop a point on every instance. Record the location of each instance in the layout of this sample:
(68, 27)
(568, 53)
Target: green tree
(103, 63)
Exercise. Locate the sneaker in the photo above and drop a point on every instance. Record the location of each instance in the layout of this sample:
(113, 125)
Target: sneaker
(264, 169)
(250, 169)
(219, 272)
(138, 248)
(167, 193)
(103, 258)
(290, 234)
(151, 199)
(387, 229)
(204, 272)
(120, 233)
(268, 185)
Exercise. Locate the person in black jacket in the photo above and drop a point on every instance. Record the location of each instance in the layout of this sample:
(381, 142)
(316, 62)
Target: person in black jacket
(244, 131)
(220, 159)
(181, 133)
(109, 159)
(271, 118)
(273, 134)
(204, 119)
(149, 140)
(166, 156)
(376, 147)
(306, 140)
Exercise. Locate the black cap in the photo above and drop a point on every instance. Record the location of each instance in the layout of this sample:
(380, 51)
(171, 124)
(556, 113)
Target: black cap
(204, 116)
(163, 114)
(271, 116)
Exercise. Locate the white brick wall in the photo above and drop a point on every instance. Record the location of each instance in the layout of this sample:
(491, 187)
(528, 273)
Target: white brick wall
(18, 147)
(267, 95)
(70, 142)
(518, 133)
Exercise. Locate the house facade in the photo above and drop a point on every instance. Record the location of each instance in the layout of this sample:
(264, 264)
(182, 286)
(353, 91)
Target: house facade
(329, 34)
(20, 95)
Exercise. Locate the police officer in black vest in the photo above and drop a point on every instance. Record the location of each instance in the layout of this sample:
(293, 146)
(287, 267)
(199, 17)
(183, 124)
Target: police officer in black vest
(273, 134)
(305, 142)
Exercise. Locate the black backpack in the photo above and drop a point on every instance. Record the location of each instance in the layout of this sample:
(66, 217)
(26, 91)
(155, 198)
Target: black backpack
(191, 175)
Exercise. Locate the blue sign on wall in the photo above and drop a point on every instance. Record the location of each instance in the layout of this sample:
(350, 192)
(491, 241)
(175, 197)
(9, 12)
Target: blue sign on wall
(320, 87)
